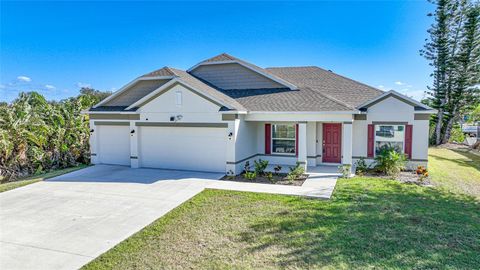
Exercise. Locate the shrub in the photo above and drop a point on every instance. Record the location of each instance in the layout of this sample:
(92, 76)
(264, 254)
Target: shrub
(361, 166)
(295, 171)
(250, 175)
(457, 135)
(277, 169)
(269, 176)
(345, 170)
(246, 166)
(390, 161)
(260, 166)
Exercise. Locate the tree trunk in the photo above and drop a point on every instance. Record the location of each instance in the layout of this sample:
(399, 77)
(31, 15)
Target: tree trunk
(448, 128)
(438, 127)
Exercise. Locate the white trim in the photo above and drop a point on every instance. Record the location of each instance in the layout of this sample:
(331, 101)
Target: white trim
(168, 84)
(257, 70)
(300, 112)
(432, 111)
(393, 92)
(128, 85)
(107, 112)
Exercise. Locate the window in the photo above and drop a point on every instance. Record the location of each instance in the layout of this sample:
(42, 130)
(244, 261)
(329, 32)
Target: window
(283, 138)
(178, 98)
(389, 136)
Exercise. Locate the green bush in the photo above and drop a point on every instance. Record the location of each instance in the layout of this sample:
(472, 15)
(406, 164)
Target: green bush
(390, 161)
(260, 166)
(270, 178)
(250, 175)
(345, 170)
(457, 135)
(361, 166)
(295, 172)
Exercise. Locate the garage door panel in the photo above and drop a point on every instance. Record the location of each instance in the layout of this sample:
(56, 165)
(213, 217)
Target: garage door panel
(113, 144)
(199, 149)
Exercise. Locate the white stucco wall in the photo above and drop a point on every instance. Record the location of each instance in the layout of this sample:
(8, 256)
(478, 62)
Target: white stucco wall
(420, 139)
(194, 108)
(391, 110)
(311, 143)
(360, 133)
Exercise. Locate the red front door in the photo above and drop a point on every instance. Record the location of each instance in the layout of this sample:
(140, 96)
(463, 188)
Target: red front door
(332, 143)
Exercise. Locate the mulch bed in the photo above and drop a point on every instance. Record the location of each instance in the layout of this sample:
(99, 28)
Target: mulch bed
(278, 179)
(408, 177)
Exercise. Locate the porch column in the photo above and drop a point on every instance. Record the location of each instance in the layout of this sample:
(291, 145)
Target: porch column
(302, 143)
(347, 140)
(231, 135)
(133, 145)
(93, 143)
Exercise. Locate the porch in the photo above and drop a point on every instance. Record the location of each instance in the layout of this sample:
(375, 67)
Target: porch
(319, 146)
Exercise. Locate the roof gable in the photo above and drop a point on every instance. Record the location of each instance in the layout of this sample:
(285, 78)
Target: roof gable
(228, 62)
(418, 106)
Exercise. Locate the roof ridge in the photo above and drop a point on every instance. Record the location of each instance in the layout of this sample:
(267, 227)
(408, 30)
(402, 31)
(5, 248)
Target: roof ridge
(352, 80)
(153, 73)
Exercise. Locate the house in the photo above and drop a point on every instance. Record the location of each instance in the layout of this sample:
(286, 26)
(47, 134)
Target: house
(225, 111)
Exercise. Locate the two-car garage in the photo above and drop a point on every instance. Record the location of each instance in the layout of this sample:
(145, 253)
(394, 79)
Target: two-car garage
(183, 146)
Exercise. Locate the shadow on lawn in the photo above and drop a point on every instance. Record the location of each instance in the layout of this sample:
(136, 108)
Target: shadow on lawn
(367, 226)
(471, 160)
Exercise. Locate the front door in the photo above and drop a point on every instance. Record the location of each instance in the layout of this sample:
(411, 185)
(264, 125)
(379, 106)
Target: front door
(332, 143)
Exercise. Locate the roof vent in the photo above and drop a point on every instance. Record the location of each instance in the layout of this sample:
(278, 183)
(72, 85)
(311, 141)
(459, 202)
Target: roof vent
(330, 70)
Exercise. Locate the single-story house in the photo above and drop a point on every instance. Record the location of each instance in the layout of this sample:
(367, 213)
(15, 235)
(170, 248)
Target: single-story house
(224, 111)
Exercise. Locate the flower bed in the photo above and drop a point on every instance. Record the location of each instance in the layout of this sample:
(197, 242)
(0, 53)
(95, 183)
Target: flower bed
(277, 179)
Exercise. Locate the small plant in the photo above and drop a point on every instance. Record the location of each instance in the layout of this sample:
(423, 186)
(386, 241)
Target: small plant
(390, 161)
(250, 175)
(260, 166)
(345, 170)
(422, 173)
(277, 169)
(246, 166)
(269, 176)
(295, 172)
(361, 166)
(291, 177)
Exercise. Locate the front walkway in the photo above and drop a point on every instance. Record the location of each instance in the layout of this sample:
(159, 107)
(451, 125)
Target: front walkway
(67, 221)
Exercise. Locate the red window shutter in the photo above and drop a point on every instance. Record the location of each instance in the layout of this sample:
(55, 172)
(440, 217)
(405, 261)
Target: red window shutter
(408, 140)
(296, 140)
(370, 140)
(268, 139)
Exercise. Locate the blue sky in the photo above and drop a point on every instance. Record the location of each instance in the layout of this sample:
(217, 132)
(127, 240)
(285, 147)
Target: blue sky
(57, 47)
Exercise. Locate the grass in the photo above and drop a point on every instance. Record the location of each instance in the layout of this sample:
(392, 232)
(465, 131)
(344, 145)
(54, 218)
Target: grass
(36, 178)
(455, 170)
(368, 224)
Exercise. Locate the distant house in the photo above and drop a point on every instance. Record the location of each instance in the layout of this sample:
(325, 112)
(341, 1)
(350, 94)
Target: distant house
(225, 111)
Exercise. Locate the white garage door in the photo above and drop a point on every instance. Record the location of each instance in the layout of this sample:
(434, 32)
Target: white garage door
(183, 148)
(113, 144)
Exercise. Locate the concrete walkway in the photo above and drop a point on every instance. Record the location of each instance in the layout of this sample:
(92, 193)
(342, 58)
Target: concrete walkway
(67, 221)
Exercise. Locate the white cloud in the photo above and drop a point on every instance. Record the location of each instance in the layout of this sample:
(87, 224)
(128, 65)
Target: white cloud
(24, 79)
(2, 86)
(82, 85)
(49, 86)
(399, 83)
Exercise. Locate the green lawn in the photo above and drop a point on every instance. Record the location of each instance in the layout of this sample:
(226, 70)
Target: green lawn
(455, 170)
(368, 224)
(38, 177)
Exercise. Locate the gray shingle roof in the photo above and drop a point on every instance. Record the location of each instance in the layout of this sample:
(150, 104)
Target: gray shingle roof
(207, 89)
(112, 109)
(329, 84)
(318, 90)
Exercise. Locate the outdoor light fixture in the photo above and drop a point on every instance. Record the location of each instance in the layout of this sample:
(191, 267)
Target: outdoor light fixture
(230, 135)
(133, 131)
(91, 130)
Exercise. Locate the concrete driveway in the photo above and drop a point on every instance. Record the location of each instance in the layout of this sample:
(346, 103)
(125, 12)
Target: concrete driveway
(65, 222)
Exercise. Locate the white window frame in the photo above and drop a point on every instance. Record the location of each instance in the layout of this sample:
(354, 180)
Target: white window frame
(178, 98)
(286, 139)
(387, 124)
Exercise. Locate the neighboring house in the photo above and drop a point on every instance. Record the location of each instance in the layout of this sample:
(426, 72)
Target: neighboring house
(224, 111)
